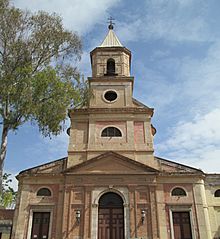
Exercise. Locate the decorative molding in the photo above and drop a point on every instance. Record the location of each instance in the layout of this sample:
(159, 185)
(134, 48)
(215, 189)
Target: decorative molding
(111, 110)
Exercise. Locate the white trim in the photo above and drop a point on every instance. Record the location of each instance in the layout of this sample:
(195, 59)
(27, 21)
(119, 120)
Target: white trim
(40, 209)
(181, 208)
(96, 194)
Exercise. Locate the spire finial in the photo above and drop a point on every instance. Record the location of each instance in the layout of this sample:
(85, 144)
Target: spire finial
(111, 23)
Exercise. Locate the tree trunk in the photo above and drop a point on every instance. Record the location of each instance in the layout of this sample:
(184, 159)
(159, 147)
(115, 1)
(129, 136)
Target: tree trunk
(3, 152)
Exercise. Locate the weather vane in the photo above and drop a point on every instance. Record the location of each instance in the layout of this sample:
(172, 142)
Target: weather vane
(111, 23)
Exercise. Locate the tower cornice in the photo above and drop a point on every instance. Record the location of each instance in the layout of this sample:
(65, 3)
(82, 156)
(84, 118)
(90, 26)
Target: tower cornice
(116, 48)
(132, 110)
(111, 78)
(111, 49)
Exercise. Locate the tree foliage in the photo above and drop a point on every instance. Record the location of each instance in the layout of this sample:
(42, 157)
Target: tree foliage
(38, 77)
(8, 195)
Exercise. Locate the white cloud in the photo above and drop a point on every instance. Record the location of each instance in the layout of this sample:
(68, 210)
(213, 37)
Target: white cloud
(131, 31)
(79, 15)
(195, 142)
(199, 80)
(173, 20)
(209, 161)
(180, 85)
(156, 88)
(204, 129)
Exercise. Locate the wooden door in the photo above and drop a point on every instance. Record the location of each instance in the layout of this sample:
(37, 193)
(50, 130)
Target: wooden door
(104, 223)
(111, 217)
(40, 225)
(182, 225)
(111, 223)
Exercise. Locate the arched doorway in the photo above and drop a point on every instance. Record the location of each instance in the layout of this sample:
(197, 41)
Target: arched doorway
(111, 217)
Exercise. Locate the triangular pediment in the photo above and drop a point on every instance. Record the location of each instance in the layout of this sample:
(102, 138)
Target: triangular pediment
(110, 163)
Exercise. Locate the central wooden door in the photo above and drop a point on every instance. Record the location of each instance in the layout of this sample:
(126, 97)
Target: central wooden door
(111, 217)
(182, 225)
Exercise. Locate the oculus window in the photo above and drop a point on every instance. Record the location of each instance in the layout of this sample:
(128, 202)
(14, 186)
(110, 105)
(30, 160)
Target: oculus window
(111, 132)
(110, 95)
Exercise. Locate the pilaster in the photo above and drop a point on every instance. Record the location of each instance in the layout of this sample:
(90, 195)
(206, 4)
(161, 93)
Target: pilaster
(202, 211)
(153, 211)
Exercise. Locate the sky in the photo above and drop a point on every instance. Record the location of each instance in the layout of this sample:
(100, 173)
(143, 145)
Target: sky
(175, 47)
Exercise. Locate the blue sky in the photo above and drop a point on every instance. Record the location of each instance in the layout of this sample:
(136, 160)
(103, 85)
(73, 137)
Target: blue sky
(175, 48)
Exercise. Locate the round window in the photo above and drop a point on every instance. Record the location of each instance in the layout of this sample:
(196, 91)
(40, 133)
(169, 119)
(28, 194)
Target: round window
(110, 95)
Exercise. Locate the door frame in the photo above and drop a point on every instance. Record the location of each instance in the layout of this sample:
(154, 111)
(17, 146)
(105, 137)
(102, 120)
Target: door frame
(32, 210)
(96, 194)
(181, 209)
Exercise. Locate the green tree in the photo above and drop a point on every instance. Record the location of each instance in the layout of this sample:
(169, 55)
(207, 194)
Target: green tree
(8, 195)
(38, 75)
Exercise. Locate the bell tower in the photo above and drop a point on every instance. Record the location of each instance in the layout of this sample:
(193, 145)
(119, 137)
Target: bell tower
(111, 81)
(110, 58)
(114, 120)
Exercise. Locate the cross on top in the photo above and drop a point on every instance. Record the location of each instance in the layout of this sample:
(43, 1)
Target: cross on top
(111, 23)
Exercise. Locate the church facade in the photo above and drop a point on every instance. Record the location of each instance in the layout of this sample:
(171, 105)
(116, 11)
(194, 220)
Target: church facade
(111, 186)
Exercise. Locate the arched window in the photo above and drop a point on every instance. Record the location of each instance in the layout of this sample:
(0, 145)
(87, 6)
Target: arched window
(217, 193)
(178, 192)
(111, 132)
(110, 67)
(44, 192)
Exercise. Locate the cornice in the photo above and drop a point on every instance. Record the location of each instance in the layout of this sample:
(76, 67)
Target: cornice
(112, 110)
(181, 174)
(111, 79)
(114, 48)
